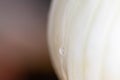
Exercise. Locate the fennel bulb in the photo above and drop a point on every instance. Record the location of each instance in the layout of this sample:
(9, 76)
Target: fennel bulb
(84, 39)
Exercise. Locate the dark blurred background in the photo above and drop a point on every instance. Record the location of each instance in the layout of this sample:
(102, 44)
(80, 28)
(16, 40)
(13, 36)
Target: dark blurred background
(24, 53)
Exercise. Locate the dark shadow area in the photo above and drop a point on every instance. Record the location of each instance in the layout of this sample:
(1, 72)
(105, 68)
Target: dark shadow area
(44, 76)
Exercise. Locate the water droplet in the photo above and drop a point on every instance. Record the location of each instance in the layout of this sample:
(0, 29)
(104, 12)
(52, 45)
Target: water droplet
(61, 51)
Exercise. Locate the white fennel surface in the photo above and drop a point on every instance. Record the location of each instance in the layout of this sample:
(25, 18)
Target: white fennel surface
(84, 39)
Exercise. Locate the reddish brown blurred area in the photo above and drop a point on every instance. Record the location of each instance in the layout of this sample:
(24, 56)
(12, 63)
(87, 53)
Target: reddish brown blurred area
(23, 40)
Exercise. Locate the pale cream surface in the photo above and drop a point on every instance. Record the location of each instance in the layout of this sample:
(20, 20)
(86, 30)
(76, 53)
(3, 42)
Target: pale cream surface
(88, 32)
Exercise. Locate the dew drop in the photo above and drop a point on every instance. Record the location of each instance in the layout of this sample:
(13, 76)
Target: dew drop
(61, 51)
